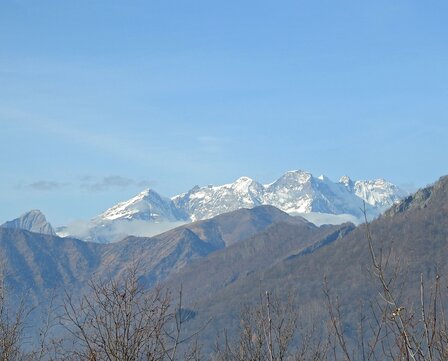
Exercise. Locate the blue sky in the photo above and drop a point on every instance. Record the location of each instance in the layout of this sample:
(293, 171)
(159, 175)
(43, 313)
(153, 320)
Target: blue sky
(100, 99)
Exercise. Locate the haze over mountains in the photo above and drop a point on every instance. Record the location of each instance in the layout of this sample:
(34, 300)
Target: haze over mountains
(296, 192)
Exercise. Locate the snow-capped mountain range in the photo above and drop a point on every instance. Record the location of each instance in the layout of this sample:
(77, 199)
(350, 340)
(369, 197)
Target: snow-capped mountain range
(297, 192)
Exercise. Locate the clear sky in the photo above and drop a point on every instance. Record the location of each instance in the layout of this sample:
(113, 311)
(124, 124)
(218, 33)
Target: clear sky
(100, 99)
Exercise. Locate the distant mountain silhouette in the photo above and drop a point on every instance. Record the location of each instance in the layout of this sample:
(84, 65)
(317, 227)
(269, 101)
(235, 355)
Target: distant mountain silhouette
(33, 221)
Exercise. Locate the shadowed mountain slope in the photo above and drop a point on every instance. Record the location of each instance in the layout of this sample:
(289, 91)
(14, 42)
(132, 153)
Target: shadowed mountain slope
(37, 263)
(250, 258)
(234, 226)
(169, 252)
(40, 263)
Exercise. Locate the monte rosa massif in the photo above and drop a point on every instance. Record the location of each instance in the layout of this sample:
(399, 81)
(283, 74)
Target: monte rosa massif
(318, 199)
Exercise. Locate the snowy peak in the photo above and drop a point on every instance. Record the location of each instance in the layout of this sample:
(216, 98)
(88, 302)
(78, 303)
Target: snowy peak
(243, 183)
(246, 185)
(347, 182)
(128, 208)
(207, 202)
(146, 214)
(292, 178)
(303, 193)
(292, 192)
(147, 205)
(378, 192)
(33, 221)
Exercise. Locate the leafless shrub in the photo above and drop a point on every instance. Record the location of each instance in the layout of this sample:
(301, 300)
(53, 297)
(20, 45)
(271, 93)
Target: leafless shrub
(393, 328)
(267, 332)
(120, 320)
(14, 314)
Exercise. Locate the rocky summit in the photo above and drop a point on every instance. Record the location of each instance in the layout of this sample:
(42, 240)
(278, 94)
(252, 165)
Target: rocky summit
(33, 221)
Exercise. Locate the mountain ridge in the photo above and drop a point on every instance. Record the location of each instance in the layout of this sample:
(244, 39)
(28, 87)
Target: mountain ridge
(296, 192)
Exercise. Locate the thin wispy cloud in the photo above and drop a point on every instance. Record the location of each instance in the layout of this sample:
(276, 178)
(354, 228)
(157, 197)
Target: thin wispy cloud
(111, 182)
(43, 185)
(93, 184)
